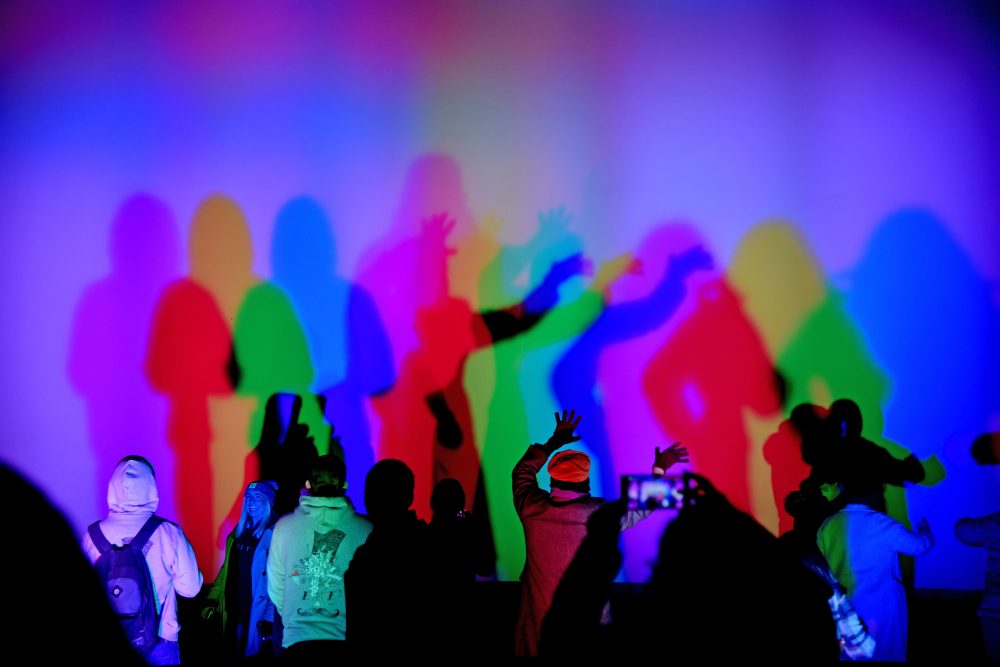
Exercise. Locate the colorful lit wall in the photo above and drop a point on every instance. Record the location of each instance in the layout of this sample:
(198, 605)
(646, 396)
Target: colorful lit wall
(807, 187)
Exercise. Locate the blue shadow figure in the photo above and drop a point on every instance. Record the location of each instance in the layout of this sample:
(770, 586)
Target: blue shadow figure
(575, 379)
(347, 340)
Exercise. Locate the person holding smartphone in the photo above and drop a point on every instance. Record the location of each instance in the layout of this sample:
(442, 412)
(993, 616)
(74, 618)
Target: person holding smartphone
(555, 522)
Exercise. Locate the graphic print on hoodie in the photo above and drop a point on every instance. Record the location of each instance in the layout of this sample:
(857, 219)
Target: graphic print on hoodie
(319, 578)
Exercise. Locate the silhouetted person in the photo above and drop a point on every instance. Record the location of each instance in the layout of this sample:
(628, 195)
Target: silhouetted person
(310, 551)
(842, 458)
(392, 582)
(791, 452)
(725, 590)
(59, 572)
(286, 451)
(809, 508)
(555, 522)
(575, 626)
(985, 448)
(862, 544)
(132, 501)
(451, 530)
(453, 548)
(984, 532)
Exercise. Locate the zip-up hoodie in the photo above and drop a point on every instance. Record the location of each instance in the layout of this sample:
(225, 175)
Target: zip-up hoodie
(310, 551)
(133, 498)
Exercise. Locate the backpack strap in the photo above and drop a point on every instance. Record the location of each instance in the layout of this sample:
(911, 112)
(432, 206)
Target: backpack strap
(98, 538)
(146, 532)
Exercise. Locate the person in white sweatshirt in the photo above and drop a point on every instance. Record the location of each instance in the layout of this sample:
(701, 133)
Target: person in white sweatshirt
(132, 500)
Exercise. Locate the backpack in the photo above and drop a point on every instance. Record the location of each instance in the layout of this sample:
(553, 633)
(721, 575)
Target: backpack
(128, 583)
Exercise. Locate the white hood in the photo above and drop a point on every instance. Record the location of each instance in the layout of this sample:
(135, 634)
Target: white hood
(132, 489)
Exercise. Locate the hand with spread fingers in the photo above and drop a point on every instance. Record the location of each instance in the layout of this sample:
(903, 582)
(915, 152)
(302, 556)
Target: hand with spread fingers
(563, 433)
(664, 460)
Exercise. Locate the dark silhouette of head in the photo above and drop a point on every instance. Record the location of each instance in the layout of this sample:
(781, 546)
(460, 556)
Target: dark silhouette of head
(845, 416)
(388, 490)
(447, 499)
(809, 422)
(985, 449)
(864, 491)
(327, 477)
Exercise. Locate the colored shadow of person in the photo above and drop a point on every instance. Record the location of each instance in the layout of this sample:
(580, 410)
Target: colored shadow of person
(347, 340)
(712, 370)
(189, 360)
(273, 357)
(426, 417)
(781, 283)
(827, 358)
(627, 418)
(522, 367)
(108, 341)
(932, 321)
(575, 379)
(407, 269)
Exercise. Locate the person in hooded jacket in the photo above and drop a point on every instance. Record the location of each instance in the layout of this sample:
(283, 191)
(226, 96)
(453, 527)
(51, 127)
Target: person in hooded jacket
(132, 500)
(239, 594)
(310, 551)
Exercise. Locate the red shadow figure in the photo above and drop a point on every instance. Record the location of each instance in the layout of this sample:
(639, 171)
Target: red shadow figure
(712, 370)
(189, 358)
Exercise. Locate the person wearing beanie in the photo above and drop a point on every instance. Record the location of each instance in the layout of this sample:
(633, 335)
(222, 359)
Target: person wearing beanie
(555, 522)
(239, 594)
(132, 499)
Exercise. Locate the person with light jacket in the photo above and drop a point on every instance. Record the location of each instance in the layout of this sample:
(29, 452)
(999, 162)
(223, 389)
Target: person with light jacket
(132, 499)
(310, 550)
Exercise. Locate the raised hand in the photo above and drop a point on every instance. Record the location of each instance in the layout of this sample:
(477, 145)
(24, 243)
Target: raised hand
(565, 425)
(436, 230)
(689, 261)
(675, 453)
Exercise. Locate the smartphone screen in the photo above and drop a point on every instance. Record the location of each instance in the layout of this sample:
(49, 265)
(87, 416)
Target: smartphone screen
(647, 492)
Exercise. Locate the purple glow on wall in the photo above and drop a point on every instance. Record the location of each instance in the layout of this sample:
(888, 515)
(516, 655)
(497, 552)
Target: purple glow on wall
(707, 118)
